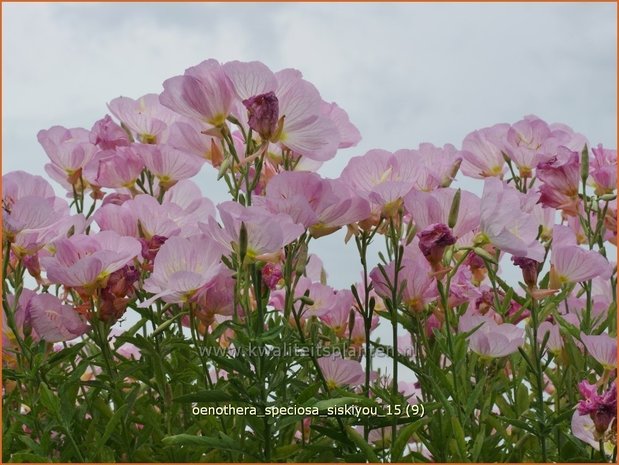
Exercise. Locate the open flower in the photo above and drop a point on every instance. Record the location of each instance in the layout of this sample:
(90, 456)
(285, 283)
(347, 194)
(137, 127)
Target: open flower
(144, 117)
(340, 372)
(203, 92)
(573, 264)
(54, 321)
(182, 266)
(491, 339)
(505, 224)
(266, 233)
(603, 348)
(482, 152)
(85, 261)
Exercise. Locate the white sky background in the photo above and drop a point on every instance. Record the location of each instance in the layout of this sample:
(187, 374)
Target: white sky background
(405, 73)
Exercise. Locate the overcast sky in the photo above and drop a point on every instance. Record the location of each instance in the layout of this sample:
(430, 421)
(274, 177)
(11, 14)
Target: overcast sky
(406, 73)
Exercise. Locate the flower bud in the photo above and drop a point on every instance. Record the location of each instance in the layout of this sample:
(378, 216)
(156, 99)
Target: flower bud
(263, 111)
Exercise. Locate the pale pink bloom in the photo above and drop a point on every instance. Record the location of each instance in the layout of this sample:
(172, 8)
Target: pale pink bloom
(603, 348)
(250, 79)
(315, 269)
(603, 170)
(576, 307)
(462, 289)
(505, 224)
(349, 134)
(555, 342)
(584, 429)
(415, 278)
(218, 298)
(85, 261)
(116, 168)
(339, 372)
(306, 132)
(267, 233)
(182, 266)
(19, 184)
(107, 135)
(428, 208)
(524, 141)
(54, 321)
(382, 177)
(119, 218)
(168, 164)
(411, 391)
(322, 205)
(187, 137)
(436, 166)
(323, 298)
(482, 152)
(69, 151)
(563, 135)
(204, 92)
(573, 264)
(145, 117)
(187, 206)
(491, 339)
(33, 213)
(155, 219)
(338, 316)
(560, 176)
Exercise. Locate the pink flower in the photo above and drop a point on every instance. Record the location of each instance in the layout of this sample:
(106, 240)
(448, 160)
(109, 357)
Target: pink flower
(482, 152)
(583, 428)
(524, 143)
(349, 134)
(338, 317)
(53, 321)
(436, 166)
(117, 168)
(560, 176)
(187, 137)
(322, 205)
(19, 184)
(168, 164)
(107, 135)
(119, 218)
(308, 128)
(266, 233)
(415, 278)
(69, 151)
(182, 266)
(603, 170)
(555, 342)
(428, 208)
(204, 92)
(339, 372)
(603, 348)
(216, 298)
(505, 224)
(573, 264)
(491, 339)
(382, 177)
(86, 261)
(145, 117)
